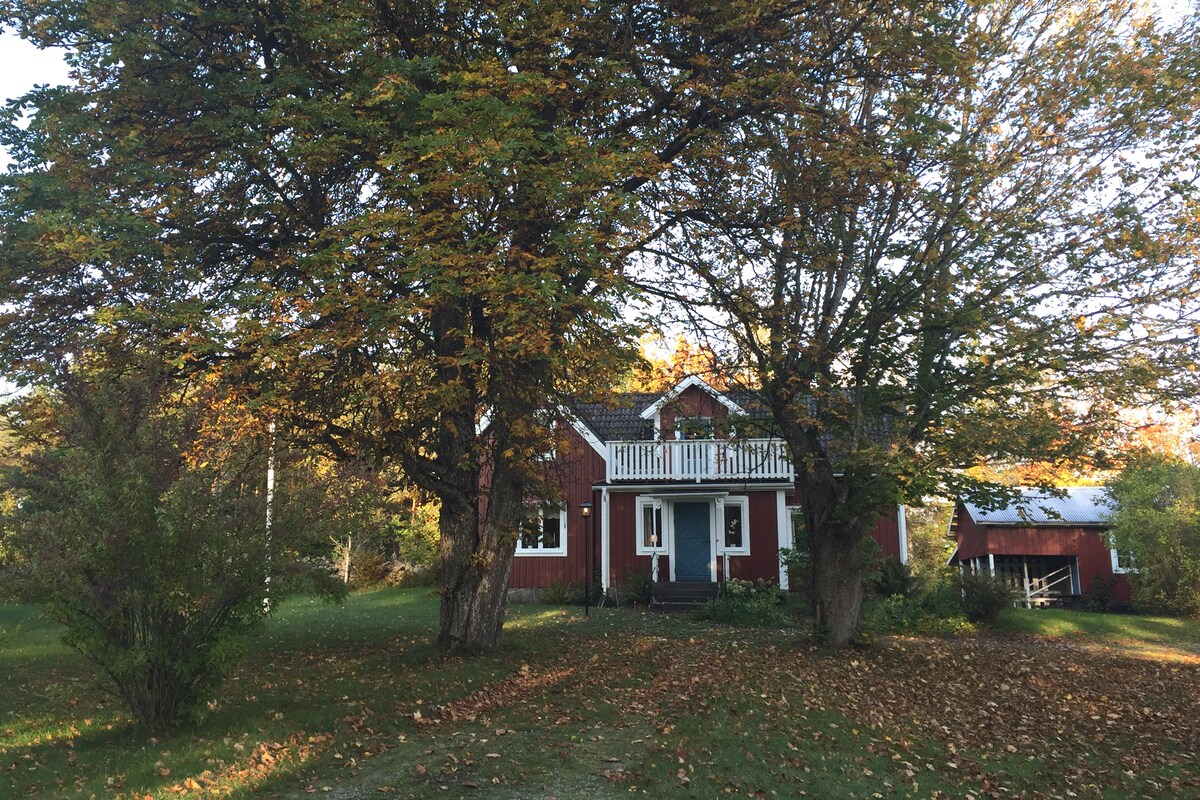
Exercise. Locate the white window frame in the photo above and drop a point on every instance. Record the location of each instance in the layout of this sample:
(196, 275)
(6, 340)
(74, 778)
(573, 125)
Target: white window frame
(743, 504)
(710, 421)
(540, 551)
(1116, 563)
(640, 528)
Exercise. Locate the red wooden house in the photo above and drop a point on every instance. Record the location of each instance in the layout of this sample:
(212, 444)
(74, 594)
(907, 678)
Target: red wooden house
(684, 486)
(1053, 549)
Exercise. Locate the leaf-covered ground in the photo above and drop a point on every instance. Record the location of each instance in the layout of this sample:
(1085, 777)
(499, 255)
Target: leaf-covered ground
(352, 702)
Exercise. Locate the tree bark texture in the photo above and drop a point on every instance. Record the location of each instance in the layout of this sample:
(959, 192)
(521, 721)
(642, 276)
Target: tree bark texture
(836, 530)
(477, 548)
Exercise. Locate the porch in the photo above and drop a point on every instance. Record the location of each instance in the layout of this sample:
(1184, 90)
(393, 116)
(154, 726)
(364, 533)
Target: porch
(1041, 581)
(699, 460)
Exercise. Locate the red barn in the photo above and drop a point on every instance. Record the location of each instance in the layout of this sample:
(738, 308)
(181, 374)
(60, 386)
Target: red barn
(1052, 548)
(678, 492)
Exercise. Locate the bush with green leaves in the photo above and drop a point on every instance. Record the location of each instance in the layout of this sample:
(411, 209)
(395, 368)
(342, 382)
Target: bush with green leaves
(744, 602)
(141, 527)
(1157, 521)
(637, 587)
(896, 578)
(948, 605)
(984, 596)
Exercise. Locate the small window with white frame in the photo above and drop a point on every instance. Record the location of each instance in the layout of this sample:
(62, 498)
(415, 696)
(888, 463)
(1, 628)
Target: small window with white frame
(735, 526)
(544, 533)
(1122, 561)
(651, 538)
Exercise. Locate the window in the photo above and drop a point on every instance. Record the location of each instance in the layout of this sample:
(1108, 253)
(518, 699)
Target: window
(544, 533)
(735, 528)
(1122, 562)
(694, 428)
(651, 538)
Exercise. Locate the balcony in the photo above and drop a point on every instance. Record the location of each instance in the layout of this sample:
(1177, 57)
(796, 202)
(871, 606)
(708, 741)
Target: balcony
(699, 461)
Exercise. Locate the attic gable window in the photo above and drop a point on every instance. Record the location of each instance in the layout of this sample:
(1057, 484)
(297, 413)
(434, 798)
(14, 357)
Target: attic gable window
(544, 533)
(694, 428)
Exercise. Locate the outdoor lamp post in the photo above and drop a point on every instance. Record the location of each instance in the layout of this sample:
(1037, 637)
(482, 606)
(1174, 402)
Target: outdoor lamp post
(585, 511)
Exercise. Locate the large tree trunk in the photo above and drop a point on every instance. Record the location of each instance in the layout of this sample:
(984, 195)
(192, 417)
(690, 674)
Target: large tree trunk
(837, 582)
(477, 558)
(835, 537)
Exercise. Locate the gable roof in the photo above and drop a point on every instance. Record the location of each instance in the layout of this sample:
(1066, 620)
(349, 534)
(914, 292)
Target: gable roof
(682, 387)
(631, 416)
(1081, 505)
(621, 421)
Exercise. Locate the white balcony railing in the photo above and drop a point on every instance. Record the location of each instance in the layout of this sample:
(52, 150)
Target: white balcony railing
(699, 460)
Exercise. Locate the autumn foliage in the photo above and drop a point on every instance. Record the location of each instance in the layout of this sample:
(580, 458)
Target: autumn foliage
(142, 527)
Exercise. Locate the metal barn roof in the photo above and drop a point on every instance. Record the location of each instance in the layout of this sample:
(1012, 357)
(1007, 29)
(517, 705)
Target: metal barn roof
(1081, 505)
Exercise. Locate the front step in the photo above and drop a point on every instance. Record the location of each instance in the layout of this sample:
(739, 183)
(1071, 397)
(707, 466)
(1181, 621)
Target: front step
(681, 595)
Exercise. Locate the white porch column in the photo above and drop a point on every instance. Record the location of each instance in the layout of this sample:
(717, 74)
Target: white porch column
(784, 531)
(902, 530)
(1028, 595)
(660, 534)
(992, 564)
(605, 549)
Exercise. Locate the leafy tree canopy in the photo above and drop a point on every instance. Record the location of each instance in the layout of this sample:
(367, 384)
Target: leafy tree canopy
(972, 238)
(413, 212)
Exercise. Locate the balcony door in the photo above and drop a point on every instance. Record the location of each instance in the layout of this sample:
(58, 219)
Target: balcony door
(696, 456)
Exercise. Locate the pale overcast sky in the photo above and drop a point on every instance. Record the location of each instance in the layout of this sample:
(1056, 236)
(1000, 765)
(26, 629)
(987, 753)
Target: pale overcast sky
(22, 66)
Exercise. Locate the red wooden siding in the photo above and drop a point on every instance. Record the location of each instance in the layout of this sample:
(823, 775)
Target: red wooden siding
(763, 561)
(574, 469)
(623, 540)
(1085, 543)
(691, 402)
(886, 531)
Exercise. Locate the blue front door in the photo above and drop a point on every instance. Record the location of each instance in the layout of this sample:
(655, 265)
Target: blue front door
(693, 544)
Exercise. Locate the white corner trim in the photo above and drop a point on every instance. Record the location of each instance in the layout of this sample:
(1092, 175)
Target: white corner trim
(902, 532)
(605, 533)
(687, 383)
(784, 534)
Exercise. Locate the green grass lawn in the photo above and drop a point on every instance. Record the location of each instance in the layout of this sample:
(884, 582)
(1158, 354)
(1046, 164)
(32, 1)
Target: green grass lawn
(353, 701)
(1123, 630)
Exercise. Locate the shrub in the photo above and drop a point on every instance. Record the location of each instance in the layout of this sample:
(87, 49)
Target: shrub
(950, 605)
(918, 616)
(744, 603)
(985, 596)
(368, 568)
(141, 527)
(1100, 596)
(563, 593)
(1157, 522)
(636, 588)
(896, 578)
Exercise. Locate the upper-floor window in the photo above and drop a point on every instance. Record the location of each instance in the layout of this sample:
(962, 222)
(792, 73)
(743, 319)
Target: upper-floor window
(694, 428)
(544, 533)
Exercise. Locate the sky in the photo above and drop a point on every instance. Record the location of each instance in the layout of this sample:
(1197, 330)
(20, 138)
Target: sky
(22, 66)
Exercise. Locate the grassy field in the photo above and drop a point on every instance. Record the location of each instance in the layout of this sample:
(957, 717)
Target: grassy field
(352, 701)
